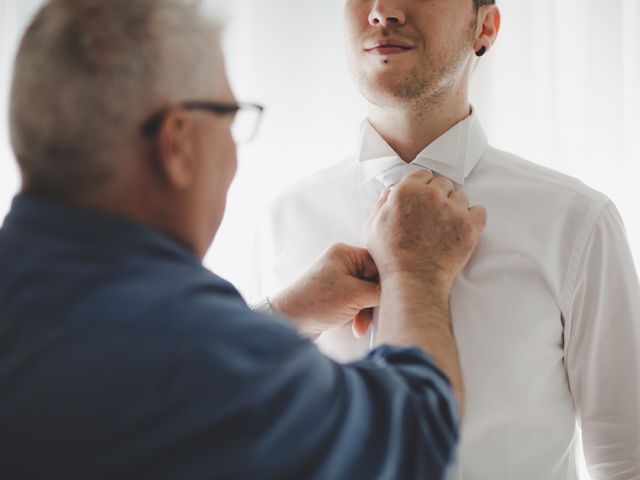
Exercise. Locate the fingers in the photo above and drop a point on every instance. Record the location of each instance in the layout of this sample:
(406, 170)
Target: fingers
(424, 218)
(459, 199)
(354, 261)
(366, 267)
(444, 185)
(384, 196)
(423, 176)
(362, 322)
(366, 293)
(479, 216)
(357, 271)
(448, 189)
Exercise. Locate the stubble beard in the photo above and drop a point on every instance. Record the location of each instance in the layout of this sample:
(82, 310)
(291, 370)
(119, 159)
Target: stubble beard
(425, 87)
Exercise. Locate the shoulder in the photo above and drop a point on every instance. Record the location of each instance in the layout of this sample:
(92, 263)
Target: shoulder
(547, 215)
(513, 185)
(186, 301)
(512, 169)
(209, 308)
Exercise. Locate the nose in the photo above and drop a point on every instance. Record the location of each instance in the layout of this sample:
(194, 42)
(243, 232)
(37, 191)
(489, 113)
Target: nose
(385, 13)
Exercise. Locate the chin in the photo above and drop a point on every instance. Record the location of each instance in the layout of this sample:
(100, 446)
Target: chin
(384, 76)
(380, 91)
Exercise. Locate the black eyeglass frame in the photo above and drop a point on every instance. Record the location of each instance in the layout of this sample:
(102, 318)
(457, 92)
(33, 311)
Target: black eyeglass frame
(151, 126)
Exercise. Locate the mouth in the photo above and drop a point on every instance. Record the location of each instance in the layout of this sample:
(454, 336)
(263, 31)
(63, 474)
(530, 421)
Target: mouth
(388, 47)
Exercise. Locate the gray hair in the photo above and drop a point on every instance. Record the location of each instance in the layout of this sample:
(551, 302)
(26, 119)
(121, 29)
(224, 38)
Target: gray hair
(481, 3)
(87, 73)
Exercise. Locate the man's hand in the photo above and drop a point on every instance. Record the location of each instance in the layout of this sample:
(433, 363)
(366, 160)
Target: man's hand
(339, 287)
(421, 234)
(425, 229)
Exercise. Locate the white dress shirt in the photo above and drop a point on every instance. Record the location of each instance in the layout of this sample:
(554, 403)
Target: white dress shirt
(546, 314)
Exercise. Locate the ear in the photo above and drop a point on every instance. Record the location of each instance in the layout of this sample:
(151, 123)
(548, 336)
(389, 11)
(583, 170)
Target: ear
(174, 160)
(488, 27)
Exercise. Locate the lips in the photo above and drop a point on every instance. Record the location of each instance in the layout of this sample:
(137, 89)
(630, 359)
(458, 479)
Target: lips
(388, 47)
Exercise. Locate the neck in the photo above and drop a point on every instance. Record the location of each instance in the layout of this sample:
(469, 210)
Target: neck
(409, 131)
(144, 204)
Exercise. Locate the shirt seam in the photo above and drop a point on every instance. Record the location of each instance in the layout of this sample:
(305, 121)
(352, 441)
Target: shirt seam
(571, 274)
(578, 188)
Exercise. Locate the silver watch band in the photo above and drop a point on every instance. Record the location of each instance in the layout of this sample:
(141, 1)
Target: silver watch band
(262, 306)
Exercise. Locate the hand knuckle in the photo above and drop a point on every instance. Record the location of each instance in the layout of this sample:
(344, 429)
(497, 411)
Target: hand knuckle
(336, 249)
(403, 192)
(432, 194)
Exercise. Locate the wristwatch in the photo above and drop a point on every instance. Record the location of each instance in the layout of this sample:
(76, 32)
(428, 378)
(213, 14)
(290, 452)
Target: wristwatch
(262, 306)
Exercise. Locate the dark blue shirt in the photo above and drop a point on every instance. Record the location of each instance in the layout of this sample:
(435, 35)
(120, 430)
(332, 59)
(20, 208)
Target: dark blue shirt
(121, 356)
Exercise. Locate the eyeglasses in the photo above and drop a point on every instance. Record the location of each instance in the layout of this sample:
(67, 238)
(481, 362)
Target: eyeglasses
(246, 121)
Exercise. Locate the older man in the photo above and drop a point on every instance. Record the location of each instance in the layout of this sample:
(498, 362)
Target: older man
(546, 314)
(122, 357)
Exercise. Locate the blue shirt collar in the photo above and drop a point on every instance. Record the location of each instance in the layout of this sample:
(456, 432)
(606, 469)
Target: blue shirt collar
(49, 217)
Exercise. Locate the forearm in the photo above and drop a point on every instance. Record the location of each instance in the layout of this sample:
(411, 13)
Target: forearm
(415, 313)
(294, 307)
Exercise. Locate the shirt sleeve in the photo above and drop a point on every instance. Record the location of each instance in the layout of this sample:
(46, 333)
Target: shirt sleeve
(602, 346)
(287, 411)
(391, 415)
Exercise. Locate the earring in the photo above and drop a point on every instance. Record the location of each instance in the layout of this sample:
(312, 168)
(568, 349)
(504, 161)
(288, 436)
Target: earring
(481, 52)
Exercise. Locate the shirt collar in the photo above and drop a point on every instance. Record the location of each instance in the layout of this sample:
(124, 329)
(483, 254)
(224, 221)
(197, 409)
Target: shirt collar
(453, 155)
(48, 218)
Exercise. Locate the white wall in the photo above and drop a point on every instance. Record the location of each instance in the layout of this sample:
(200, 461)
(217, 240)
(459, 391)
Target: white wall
(13, 17)
(290, 58)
